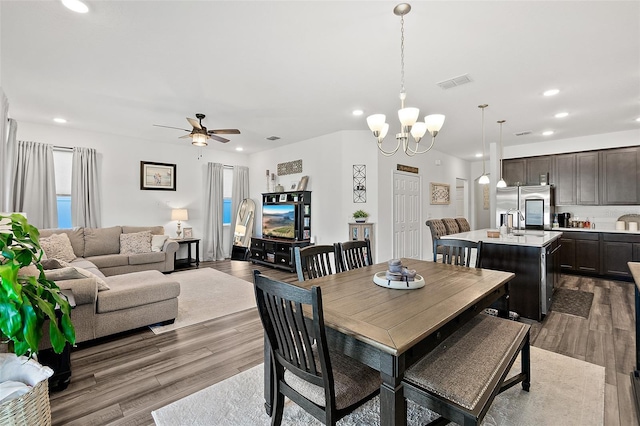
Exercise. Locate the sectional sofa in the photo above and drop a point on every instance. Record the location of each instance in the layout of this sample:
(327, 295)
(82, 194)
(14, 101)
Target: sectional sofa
(115, 275)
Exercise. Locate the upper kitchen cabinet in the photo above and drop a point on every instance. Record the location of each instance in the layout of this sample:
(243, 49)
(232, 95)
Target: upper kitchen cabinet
(565, 179)
(514, 171)
(620, 175)
(587, 178)
(538, 166)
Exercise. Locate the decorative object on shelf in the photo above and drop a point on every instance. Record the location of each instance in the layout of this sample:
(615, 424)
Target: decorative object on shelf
(179, 215)
(484, 179)
(188, 232)
(409, 123)
(279, 188)
(360, 216)
(267, 180)
(157, 176)
(273, 182)
(359, 183)
(399, 277)
(290, 168)
(501, 183)
(440, 193)
(302, 185)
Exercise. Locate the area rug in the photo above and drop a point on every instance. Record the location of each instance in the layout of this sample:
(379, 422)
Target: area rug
(564, 391)
(206, 294)
(573, 302)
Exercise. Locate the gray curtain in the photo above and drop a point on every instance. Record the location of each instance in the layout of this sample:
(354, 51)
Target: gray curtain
(34, 188)
(239, 191)
(213, 199)
(85, 189)
(4, 158)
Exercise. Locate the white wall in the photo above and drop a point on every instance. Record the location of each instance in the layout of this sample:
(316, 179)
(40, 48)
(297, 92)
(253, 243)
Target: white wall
(123, 203)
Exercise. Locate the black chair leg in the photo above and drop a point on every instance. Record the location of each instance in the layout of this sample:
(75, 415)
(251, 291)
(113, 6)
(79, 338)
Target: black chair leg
(525, 356)
(278, 409)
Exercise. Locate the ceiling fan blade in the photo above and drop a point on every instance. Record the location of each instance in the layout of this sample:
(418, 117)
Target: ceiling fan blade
(225, 132)
(169, 127)
(219, 139)
(185, 136)
(194, 123)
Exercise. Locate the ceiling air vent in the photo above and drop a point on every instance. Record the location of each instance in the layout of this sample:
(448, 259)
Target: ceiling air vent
(455, 81)
(273, 138)
(525, 133)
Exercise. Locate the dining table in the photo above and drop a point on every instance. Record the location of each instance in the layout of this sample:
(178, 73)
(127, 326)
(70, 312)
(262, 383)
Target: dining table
(390, 329)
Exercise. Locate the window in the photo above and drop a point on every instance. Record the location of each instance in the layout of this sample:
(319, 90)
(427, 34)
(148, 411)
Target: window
(62, 160)
(227, 183)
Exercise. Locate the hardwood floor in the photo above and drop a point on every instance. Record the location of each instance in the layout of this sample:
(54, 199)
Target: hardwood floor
(120, 380)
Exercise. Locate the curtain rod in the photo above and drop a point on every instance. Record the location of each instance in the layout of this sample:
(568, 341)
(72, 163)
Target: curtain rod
(62, 148)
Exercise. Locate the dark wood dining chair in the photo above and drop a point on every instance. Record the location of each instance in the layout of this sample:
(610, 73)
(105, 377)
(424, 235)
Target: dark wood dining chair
(316, 261)
(438, 230)
(326, 384)
(459, 252)
(355, 254)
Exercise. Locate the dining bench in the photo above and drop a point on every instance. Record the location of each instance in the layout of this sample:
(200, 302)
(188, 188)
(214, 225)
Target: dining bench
(460, 378)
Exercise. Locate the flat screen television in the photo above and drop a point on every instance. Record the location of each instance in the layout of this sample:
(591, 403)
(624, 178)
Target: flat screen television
(279, 220)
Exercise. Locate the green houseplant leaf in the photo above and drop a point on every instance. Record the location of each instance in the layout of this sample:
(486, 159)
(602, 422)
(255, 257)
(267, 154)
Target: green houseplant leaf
(27, 302)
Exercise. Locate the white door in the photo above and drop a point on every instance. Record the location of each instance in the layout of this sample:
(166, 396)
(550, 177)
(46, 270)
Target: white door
(407, 202)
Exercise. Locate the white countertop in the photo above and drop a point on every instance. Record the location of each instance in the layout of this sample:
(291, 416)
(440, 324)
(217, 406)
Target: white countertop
(528, 238)
(607, 231)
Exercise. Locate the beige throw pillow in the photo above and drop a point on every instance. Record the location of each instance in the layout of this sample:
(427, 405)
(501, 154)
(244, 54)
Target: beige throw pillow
(72, 273)
(157, 242)
(58, 246)
(138, 242)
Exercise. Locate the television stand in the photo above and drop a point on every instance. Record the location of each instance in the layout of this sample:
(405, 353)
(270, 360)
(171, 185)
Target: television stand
(276, 253)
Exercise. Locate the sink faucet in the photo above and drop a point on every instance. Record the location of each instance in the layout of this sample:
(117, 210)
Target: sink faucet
(520, 217)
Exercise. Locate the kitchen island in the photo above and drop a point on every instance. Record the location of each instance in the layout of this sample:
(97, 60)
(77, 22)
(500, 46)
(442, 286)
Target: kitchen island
(533, 256)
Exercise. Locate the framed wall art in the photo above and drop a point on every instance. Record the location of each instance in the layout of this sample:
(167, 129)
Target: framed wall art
(440, 193)
(157, 176)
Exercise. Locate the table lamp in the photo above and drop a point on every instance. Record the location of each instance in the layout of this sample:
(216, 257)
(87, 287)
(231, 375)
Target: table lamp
(179, 214)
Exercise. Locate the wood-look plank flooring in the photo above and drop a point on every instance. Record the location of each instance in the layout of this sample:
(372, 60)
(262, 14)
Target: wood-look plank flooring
(120, 380)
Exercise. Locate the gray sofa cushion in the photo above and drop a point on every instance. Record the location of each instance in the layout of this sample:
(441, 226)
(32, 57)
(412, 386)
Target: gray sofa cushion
(155, 230)
(142, 258)
(76, 236)
(136, 289)
(99, 241)
(109, 260)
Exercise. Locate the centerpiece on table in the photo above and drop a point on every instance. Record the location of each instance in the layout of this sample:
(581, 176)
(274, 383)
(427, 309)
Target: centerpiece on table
(399, 277)
(28, 303)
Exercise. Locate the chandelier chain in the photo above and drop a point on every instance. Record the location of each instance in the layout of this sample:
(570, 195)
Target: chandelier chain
(402, 54)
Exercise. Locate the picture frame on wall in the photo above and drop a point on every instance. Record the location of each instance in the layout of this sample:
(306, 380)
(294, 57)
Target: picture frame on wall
(157, 176)
(188, 232)
(440, 193)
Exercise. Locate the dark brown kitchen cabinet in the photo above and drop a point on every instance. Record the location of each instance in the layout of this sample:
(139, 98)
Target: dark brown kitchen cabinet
(580, 252)
(636, 252)
(565, 179)
(537, 166)
(513, 171)
(587, 178)
(617, 250)
(620, 175)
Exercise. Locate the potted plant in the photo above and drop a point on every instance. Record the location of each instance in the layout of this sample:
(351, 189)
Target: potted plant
(27, 300)
(360, 216)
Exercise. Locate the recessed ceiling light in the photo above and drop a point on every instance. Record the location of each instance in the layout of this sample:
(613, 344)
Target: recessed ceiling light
(357, 112)
(551, 92)
(561, 114)
(239, 148)
(59, 120)
(478, 155)
(547, 133)
(76, 6)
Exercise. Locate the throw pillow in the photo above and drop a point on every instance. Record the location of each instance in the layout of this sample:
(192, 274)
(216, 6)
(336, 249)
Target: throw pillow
(52, 264)
(138, 242)
(157, 242)
(72, 273)
(29, 271)
(58, 246)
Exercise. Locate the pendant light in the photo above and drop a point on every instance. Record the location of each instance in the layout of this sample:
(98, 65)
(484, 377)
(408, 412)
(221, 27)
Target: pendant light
(484, 179)
(501, 183)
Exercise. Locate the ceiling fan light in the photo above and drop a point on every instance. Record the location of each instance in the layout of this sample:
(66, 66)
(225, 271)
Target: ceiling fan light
(198, 139)
(408, 116)
(434, 122)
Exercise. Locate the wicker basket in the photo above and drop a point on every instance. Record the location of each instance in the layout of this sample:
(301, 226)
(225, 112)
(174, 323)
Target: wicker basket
(30, 409)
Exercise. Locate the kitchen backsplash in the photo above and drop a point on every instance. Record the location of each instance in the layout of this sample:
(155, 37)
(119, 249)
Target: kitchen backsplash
(604, 217)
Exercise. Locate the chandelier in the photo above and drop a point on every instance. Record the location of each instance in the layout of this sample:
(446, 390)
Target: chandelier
(409, 123)
(501, 183)
(484, 179)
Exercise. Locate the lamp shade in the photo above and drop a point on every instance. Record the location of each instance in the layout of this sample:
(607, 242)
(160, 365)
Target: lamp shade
(376, 122)
(199, 139)
(408, 116)
(179, 214)
(484, 180)
(434, 122)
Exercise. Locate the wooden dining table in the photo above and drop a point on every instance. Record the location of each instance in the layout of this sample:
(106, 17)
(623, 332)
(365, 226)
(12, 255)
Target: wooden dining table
(389, 330)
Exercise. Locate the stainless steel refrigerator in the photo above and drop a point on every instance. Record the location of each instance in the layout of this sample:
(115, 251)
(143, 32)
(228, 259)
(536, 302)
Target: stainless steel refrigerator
(531, 207)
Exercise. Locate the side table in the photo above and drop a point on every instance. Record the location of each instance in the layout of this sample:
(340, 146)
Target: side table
(189, 261)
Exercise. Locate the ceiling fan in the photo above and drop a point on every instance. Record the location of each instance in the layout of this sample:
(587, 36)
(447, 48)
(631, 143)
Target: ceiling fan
(199, 134)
